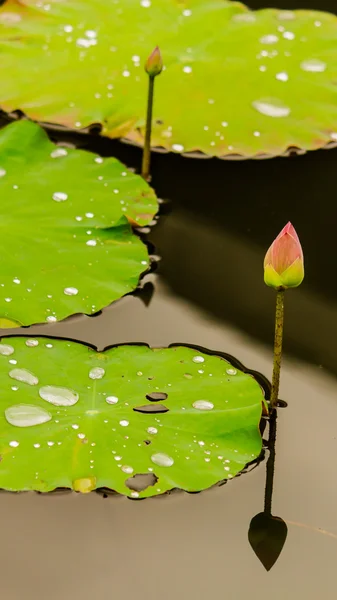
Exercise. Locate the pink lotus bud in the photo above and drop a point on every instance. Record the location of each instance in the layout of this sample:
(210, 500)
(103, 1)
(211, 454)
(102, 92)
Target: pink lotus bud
(284, 264)
(154, 63)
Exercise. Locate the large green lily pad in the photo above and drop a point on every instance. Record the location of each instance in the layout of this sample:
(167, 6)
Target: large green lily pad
(236, 81)
(66, 245)
(69, 417)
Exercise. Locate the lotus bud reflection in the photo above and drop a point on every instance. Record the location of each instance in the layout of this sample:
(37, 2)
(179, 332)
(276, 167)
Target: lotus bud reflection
(284, 264)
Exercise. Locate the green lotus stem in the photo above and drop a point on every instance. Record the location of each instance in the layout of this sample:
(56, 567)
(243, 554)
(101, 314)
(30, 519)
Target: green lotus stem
(148, 128)
(279, 319)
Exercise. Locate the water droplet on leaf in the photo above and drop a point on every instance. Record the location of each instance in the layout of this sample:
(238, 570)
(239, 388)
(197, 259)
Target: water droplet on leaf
(96, 373)
(58, 396)
(162, 460)
(59, 152)
(32, 343)
(271, 108)
(127, 469)
(24, 376)
(60, 196)
(203, 405)
(111, 399)
(25, 415)
(313, 66)
(70, 291)
(269, 39)
(6, 349)
(152, 430)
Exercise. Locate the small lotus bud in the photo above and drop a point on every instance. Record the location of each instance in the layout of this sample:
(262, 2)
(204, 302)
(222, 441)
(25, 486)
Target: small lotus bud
(154, 63)
(284, 264)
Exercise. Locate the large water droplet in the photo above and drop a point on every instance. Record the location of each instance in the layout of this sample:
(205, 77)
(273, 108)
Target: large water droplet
(70, 291)
(246, 17)
(32, 343)
(152, 430)
(58, 396)
(203, 405)
(24, 376)
(26, 415)
(84, 43)
(177, 148)
(286, 15)
(6, 349)
(162, 460)
(282, 76)
(111, 399)
(198, 359)
(60, 196)
(2, 172)
(59, 152)
(91, 34)
(96, 373)
(231, 371)
(269, 39)
(271, 108)
(14, 444)
(127, 469)
(313, 65)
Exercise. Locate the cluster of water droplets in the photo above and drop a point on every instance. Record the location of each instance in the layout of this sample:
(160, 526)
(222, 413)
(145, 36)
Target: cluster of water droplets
(267, 106)
(26, 415)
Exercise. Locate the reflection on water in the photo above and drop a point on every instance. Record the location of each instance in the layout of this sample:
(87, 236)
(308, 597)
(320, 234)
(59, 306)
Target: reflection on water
(267, 533)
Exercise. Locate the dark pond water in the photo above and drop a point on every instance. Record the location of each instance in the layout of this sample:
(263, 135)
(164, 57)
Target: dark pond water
(208, 290)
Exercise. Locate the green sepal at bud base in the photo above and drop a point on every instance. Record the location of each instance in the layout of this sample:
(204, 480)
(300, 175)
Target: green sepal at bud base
(290, 278)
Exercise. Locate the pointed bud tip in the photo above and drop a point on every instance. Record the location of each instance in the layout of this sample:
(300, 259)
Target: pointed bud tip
(290, 229)
(154, 63)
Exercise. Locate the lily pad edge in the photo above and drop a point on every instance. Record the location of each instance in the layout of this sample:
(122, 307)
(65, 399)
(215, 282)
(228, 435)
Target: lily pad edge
(197, 154)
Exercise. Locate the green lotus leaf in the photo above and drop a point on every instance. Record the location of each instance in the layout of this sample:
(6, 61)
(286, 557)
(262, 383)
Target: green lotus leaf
(236, 81)
(77, 418)
(66, 245)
